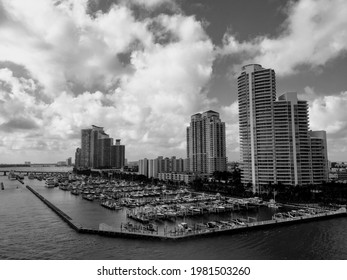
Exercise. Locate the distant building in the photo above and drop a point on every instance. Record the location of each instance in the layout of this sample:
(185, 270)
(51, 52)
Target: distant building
(89, 146)
(69, 161)
(152, 167)
(177, 177)
(319, 155)
(206, 146)
(97, 150)
(143, 167)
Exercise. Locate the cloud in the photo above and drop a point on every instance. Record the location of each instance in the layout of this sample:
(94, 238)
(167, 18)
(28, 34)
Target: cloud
(18, 123)
(230, 115)
(329, 113)
(313, 34)
(66, 70)
(150, 4)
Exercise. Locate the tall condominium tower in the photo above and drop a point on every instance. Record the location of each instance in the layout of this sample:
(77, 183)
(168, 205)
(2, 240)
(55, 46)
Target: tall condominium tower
(256, 95)
(118, 155)
(86, 135)
(275, 142)
(97, 150)
(78, 157)
(104, 151)
(97, 133)
(292, 141)
(319, 153)
(206, 147)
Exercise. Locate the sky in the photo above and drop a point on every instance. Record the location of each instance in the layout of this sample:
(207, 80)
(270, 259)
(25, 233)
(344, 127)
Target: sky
(141, 68)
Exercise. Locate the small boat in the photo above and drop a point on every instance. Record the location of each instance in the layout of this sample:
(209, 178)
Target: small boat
(150, 227)
(50, 183)
(75, 192)
(12, 176)
(88, 197)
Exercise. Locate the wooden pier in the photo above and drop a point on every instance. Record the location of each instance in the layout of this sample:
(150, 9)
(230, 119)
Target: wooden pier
(140, 232)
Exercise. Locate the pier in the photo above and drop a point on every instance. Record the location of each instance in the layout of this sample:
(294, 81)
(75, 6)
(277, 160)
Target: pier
(137, 231)
(27, 172)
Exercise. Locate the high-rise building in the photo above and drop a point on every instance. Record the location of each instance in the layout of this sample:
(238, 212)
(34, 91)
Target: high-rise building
(256, 95)
(78, 157)
(104, 145)
(292, 152)
(89, 145)
(97, 150)
(275, 143)
(86, 135)
(153, 168)
(206, 147)
(319, 153)
(118, 155)
(143, 167)
(97, 133)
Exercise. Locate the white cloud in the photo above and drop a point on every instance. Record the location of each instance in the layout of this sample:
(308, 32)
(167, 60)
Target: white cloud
(73, 59)
(230, 115)
(315, 33)
(329, 113)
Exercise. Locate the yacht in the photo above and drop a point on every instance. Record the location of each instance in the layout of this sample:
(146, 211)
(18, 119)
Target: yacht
(50, 183)
(12, 176)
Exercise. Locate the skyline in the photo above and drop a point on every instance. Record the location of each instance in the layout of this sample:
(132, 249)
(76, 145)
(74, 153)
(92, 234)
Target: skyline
(120, 80)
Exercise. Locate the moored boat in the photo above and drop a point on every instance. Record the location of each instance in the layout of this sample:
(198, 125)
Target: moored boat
(50, 183)
(12, 176)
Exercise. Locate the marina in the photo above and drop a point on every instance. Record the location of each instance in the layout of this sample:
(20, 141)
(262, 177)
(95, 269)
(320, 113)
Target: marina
(144, 226)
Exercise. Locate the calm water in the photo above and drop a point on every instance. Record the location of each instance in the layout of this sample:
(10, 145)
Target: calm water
(30, 230)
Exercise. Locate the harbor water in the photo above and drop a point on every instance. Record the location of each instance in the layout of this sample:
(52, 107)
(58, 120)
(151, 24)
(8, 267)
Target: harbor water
(30, 230)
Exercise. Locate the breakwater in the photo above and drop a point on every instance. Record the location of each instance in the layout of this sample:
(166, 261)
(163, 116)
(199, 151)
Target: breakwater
(139, 232)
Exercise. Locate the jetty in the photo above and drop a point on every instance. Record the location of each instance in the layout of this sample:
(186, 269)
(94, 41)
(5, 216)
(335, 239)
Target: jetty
(148, 230)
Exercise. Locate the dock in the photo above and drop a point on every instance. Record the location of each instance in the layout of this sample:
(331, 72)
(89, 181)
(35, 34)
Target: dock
(130, 230)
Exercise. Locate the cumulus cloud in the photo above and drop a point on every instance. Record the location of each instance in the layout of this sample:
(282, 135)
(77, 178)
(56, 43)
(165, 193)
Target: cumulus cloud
(110, 69)
(329, 113)
(313, 34)
(230, 115)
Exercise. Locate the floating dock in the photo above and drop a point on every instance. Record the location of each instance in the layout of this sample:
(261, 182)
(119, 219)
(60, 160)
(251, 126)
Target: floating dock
(139, 232)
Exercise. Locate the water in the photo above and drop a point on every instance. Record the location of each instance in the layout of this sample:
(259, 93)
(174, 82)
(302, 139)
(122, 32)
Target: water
(30, 230)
